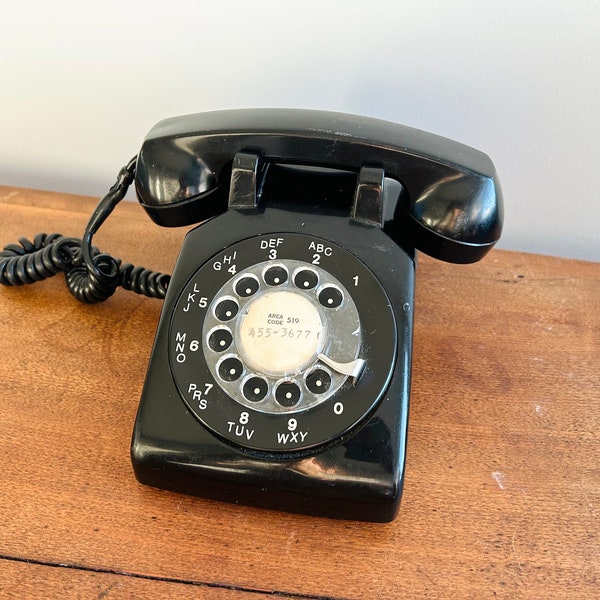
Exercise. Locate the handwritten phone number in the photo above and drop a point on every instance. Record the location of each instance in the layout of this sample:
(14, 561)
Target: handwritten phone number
(284, 332)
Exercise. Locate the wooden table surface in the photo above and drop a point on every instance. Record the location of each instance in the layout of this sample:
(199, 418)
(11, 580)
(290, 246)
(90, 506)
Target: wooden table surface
(502, 489)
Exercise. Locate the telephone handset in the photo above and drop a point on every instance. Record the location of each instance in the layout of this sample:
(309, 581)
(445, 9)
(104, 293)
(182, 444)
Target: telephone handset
(280, 371)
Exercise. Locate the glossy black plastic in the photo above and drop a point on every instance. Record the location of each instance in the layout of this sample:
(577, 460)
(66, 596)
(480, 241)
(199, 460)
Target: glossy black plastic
(356, 476)
(375, 189)
(453, 203)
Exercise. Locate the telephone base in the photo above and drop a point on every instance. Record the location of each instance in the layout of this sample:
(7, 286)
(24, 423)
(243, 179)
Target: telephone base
(340, 457)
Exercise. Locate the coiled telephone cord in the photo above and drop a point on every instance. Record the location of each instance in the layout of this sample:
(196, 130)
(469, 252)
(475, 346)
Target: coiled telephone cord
(91, 275)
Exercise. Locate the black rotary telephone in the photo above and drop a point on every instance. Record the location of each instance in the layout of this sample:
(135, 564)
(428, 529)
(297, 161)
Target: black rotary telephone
(280, 371)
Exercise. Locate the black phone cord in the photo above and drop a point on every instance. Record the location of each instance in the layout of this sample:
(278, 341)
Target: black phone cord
(91, 276)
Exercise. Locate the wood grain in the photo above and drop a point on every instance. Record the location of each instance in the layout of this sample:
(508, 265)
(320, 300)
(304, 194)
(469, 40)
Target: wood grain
(21, 579)
(502, 493)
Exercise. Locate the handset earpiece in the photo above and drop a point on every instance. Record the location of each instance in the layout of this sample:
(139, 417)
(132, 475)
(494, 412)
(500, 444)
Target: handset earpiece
(176, 186)
(456, 218)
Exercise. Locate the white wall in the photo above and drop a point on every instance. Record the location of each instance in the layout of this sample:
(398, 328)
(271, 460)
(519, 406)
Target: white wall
(81, 84)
